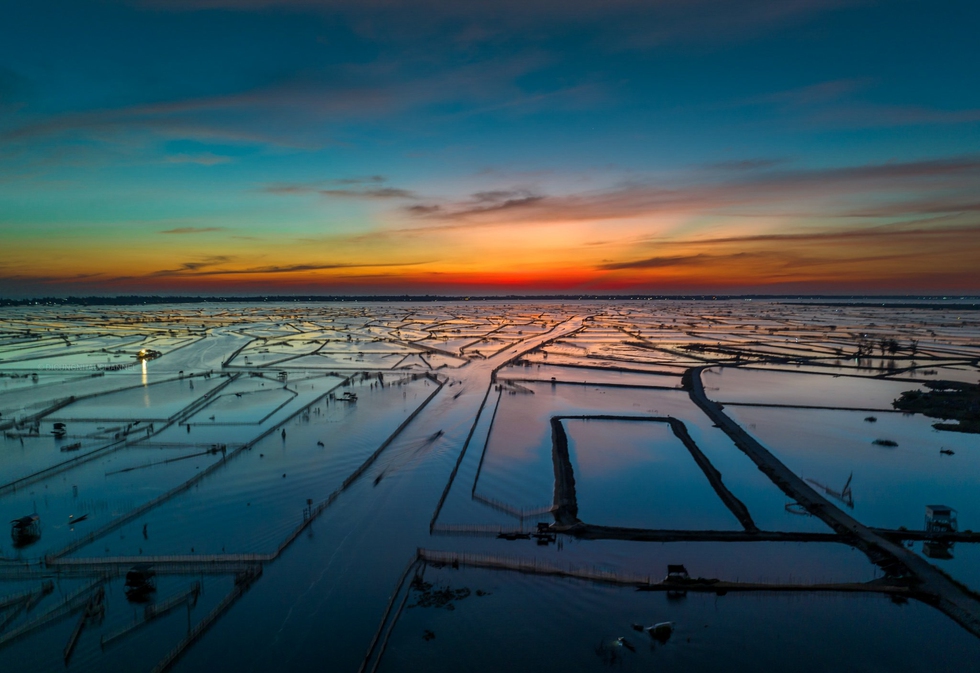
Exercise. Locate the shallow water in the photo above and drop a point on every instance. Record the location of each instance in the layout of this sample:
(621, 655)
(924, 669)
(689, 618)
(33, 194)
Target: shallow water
(150, 642)
(389, 486)
(515, 624)
(757, 387)
(518, 470)
(891, 485)
(260, 496)
(638, 474)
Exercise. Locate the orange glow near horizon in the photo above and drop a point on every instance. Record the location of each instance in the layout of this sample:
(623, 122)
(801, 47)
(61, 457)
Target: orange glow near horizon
(512, 258)
(588, 243)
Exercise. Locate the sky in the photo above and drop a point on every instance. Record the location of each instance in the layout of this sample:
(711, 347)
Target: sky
(249, 147)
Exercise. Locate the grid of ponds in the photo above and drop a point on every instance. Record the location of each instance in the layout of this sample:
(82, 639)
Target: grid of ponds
(202, 442)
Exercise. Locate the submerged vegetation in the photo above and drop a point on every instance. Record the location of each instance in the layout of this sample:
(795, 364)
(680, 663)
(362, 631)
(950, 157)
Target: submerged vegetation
(946, 400)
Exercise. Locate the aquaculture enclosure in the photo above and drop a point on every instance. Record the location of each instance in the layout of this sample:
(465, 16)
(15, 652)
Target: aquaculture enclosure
(404, 486)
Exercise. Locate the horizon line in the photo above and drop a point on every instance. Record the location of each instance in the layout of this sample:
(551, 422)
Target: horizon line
(108, 300)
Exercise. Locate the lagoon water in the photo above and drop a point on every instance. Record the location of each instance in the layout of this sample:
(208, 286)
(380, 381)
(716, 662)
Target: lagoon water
(358, 486)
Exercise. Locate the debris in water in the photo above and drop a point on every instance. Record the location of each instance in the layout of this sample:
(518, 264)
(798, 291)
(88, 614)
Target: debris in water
(661, 631)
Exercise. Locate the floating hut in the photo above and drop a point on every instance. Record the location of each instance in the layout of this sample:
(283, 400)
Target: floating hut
(940, 519)
(25, 530)
(676, 574)
(140, 583)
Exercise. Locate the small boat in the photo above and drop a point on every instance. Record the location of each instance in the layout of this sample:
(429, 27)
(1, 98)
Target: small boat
(72, 447)
(661, 631)
(622, 642)
(797, 509)
(72, 519)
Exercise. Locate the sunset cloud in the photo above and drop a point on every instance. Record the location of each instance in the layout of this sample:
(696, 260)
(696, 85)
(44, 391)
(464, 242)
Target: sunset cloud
(436, 146)
(192, 230)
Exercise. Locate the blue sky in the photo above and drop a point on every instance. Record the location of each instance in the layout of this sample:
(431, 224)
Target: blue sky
(248, 146)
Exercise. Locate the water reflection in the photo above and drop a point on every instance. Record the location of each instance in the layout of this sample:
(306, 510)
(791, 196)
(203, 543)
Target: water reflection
(244, 468)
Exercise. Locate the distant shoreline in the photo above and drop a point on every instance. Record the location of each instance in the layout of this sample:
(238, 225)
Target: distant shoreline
(966, 303)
